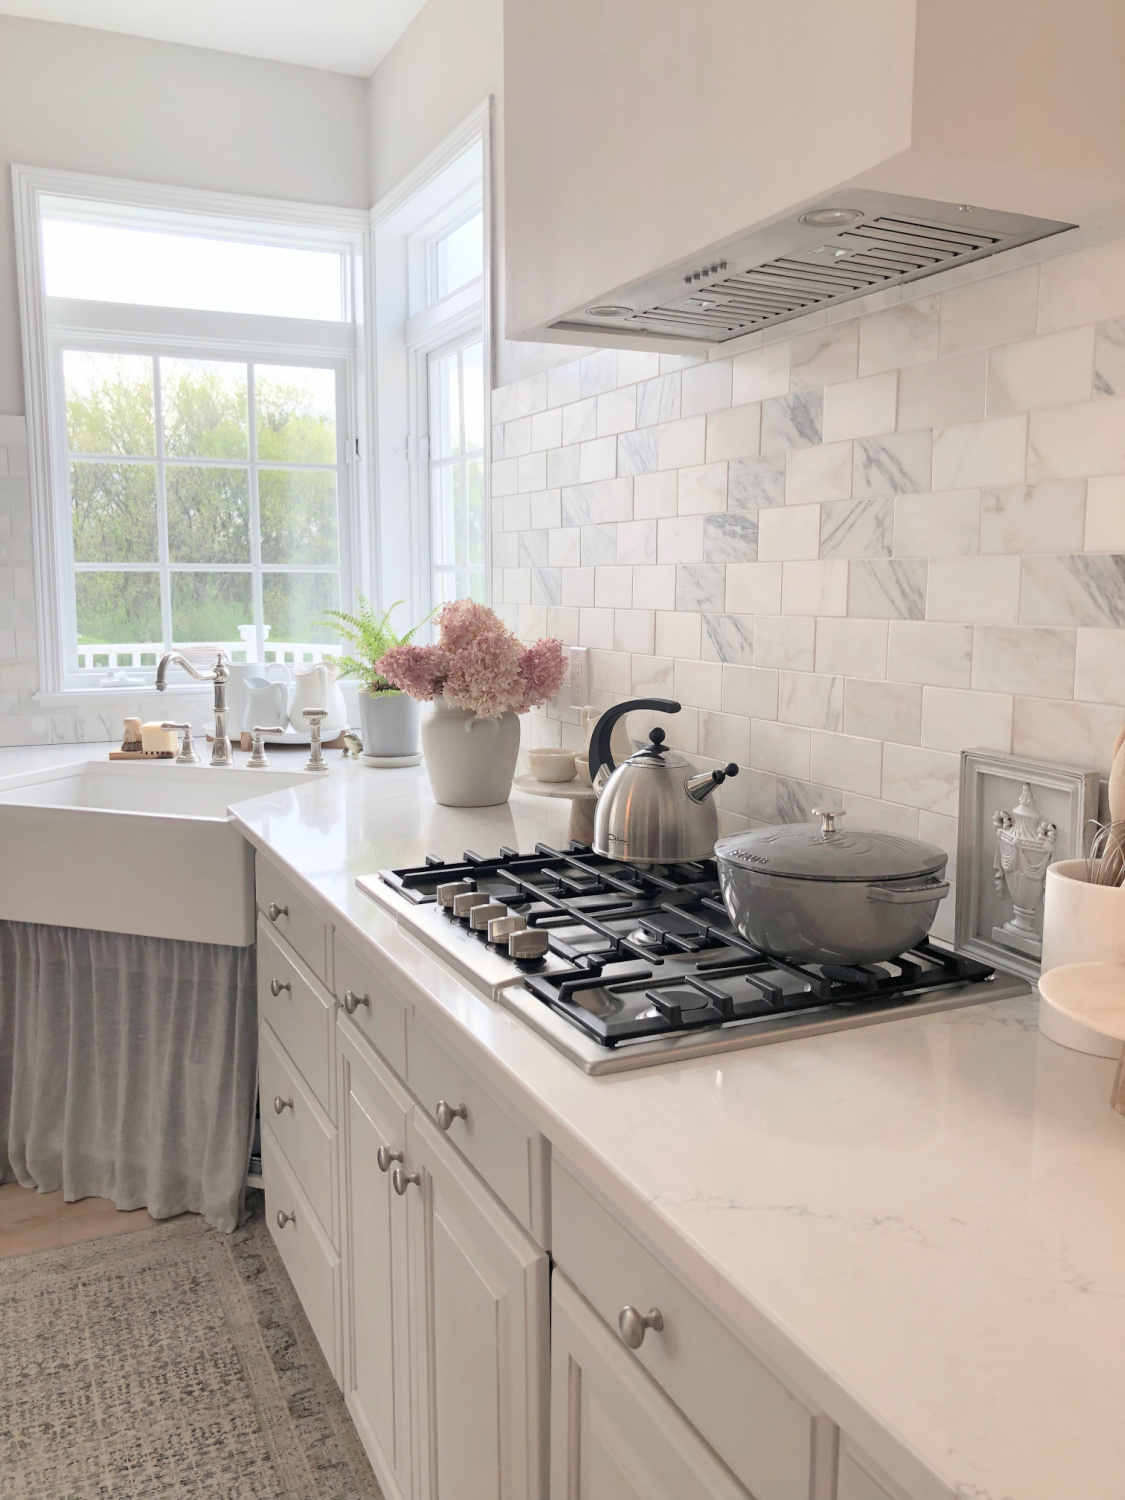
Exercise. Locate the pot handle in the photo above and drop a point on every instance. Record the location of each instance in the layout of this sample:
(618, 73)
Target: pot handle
(599, 740)
(936, 890)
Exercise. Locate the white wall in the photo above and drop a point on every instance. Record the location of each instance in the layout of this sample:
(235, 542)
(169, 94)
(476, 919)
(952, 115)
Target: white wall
(123, 106)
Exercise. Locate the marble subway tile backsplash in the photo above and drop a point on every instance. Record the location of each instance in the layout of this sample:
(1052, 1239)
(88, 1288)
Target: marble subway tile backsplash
(851, 552)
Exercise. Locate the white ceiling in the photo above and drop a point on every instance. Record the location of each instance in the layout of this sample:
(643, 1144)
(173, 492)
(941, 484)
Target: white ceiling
(346, 36)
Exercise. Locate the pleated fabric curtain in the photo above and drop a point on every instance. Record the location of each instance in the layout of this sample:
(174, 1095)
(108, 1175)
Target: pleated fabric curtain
(128, 1069)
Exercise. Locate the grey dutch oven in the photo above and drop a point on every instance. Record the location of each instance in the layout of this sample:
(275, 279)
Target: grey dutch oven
(816, 893)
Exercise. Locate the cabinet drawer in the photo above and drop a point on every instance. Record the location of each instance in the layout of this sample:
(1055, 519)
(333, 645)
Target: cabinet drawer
(302, 1129)
(293, 917)
(300, 1013)
(310, 1261)
(507, 1152)
(382, 1020)
(754, 1424)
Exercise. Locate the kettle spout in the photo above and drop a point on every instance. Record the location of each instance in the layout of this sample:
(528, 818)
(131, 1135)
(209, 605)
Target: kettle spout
(700, 787)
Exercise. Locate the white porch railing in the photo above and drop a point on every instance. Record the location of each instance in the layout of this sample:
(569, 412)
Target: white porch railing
(144, 656)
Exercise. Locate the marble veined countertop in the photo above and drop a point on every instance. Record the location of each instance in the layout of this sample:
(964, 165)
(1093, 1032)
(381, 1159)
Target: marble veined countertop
(921, 1223)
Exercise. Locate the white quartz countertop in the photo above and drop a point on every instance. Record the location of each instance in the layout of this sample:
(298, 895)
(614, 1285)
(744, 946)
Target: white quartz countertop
(921, 1223)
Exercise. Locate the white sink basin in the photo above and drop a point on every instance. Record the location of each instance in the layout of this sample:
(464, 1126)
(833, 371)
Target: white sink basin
(132, 846)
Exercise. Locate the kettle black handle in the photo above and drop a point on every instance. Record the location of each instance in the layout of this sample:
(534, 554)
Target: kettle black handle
(599, 740)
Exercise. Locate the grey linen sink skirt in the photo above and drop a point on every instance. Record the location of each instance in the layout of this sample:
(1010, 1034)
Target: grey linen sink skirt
(128, 1069)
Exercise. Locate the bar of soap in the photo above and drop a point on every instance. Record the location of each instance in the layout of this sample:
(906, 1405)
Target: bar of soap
(158, 741)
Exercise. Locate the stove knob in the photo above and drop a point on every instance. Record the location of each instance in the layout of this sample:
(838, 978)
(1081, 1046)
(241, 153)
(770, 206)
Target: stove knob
(501, 928)
(528, 945)
(481, 916)
(464, 903)
(446, 892)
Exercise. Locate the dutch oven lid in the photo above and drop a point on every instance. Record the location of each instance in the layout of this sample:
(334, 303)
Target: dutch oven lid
(821, 851)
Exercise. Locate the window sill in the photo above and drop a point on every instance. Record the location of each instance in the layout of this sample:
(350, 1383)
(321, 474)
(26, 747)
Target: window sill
(93, 699)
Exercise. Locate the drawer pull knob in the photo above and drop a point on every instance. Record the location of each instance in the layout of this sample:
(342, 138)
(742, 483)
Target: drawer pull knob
(279, 1104)
(283, 1218)
(634, 1325)
(352, 1001)
(384, 1156)
(445, 1114)
(277, 985)
(273, 911)
(401, 1180)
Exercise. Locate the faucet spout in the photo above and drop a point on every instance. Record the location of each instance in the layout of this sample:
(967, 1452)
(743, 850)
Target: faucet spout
(219, 674)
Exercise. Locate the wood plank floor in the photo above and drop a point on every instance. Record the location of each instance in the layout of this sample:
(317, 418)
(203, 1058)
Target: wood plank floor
(41, 1221)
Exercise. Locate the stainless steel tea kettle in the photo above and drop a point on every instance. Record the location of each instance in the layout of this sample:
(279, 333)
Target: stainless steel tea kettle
(654, 808)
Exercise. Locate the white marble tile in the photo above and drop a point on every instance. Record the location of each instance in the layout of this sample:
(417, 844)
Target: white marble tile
(897, 336)
(883, 710)
(698, 684)
(786, 642)
(1088, 438)
(702, 489)
(658, 400)
(654, 495)
(995, 310)
(652, 676)
(760, 373)
(532, 549)
(635, 365)
(654, 587)
(638, 452)
(700, 586)
(595, 628)
(851, 648)
(955, 719)
(1047, 371)
(613, 500)
(597, 460)
(678, 634)
(724, 737)
(531, 394)
(1075, 734)
(564, 465)
(820, 473)
(730, 538)
(517, 437)
(546, 509)
(861, 408)
(1105, 514)
(617, 412)
(898, 463)
(505, 473)
(564, 547)
(811, 699)
(942, 391)
(636, 542)
(546, 586)
(857, 528)
(797, 798)
(679, 539)
(754, 588)
(546, 429)
(634, 630)
(824, 356)
(782, 748)
(517, 513)
(887, 589)
(789, 531)
(753, 483)
(734, 432)
(750, 691)
(753, 793)
(564, 383)
(578, 587)
(1047, 517)
(1100, 666)
(977, 453)
(516, 586)
(977, 590)
(579, 421)
(598, 372)
(505, 554)
(1082, 589)
(1032, 661)
(728, 638)
(683, 442)
(705, 387)
(889, 817)
(946, 524)
(847, 762)
(792, 421)
(1082, 288)
(815, 588)
(504, 404)
(599, 546)
(1109, 358)
(922, 778)
(563, 623)
(577, 505)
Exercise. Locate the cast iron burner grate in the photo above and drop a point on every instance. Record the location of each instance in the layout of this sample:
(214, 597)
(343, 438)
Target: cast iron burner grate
(615, 927)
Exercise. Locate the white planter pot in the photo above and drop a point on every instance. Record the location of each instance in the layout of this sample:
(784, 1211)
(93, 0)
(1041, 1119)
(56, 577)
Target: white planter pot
(389, 724)
(470, 761)
(1082, 923)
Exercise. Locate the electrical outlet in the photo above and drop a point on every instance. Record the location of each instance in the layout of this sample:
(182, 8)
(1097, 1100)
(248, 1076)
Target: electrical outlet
(579, 676)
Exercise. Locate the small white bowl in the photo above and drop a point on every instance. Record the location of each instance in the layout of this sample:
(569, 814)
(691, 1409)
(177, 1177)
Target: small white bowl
(582, 766)
(551, 765)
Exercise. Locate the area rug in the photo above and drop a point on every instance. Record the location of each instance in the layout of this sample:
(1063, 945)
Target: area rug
(172, 1360)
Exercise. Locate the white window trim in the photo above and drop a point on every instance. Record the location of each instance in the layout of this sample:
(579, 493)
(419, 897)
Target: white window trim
(403, 341)
(224, 214)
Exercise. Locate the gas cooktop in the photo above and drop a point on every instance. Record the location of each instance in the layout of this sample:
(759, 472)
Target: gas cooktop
(621, 966)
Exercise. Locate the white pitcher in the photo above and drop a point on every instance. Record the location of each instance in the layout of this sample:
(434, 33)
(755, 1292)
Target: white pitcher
(264, 702)
(316, 685)
(240, 674)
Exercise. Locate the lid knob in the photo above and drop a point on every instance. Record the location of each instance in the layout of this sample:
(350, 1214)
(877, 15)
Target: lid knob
(829, 816)
(657, 737)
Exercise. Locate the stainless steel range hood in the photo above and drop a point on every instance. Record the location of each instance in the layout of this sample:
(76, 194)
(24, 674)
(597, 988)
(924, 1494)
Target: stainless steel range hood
(848, 246)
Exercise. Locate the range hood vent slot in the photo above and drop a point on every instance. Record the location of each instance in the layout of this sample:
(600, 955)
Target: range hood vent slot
(793, 268)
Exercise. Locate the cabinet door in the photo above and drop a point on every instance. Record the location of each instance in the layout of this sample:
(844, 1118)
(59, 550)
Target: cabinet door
(480, 1334)
(614, 1434)
(373, 1113)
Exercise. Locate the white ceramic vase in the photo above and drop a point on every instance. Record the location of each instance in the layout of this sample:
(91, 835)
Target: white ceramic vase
(389, 724)
(1082, 923)
(470, 761)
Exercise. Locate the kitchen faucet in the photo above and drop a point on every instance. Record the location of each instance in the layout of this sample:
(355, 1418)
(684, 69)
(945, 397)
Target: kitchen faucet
(219, 674)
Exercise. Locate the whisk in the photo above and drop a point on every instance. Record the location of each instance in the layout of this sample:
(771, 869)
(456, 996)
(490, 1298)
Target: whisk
(1105, 857)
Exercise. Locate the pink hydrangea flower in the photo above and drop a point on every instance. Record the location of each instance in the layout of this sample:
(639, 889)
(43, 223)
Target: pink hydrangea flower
(543, 669)
(485, 676)
(462, 621)
(417, 670)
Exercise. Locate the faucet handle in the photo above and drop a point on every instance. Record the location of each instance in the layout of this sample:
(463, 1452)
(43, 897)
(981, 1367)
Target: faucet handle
(188, 755)
(315, 716)
(258, 761)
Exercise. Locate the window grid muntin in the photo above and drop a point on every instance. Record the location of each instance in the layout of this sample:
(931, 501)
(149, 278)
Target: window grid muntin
(463, 572)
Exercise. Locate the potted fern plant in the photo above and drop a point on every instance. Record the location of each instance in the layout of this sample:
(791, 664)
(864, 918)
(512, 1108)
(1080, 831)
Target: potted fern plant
(389, 718)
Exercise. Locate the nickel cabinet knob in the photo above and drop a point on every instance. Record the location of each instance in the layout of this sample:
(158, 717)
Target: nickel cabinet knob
(445, 1114)
(277, 985)
(283, 1218)
(273, 911)
(401, 1180)
(352, 1001)
(634, 1324)
(384, 1156)
(279, 1104)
